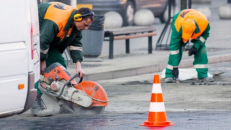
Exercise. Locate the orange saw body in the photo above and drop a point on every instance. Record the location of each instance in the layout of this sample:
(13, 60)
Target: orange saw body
(83, 98)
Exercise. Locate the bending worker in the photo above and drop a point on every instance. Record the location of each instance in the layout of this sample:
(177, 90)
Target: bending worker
(188, 24)
(60, 27)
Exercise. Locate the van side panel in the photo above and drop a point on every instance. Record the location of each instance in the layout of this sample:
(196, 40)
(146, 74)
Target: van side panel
(34, 65)
(31, 94)
(13, 22)
(13, 54)
(34, 61)
(13, 71)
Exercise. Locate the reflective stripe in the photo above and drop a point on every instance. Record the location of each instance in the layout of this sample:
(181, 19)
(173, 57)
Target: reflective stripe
(200, 66)
(157, 107)
(76, 48)
(44, 51)
(170, 67)
(156, 88)
(202, 39)
(174, 52)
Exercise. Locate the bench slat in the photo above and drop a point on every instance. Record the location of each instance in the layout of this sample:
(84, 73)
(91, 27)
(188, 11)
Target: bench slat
(129, 30)
(134, 36)
(133, 31)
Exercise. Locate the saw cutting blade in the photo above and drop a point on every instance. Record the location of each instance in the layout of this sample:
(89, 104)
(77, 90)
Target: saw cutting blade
(65, 106)
(91, 111)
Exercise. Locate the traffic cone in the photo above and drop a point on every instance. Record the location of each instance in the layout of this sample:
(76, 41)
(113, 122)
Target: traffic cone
(157, 115)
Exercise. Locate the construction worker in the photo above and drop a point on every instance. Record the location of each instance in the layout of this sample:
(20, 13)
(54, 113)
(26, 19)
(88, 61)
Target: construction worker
(60, 27)
(188, 24)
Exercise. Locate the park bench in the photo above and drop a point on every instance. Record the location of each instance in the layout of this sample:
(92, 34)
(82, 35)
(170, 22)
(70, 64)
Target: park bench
(127, 33)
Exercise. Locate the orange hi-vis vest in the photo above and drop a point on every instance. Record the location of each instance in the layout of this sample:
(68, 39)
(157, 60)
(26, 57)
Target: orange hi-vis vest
(60, 14)
(195, 15)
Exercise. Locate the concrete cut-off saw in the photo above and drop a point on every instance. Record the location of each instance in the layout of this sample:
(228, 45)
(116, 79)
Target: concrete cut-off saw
(83, 98)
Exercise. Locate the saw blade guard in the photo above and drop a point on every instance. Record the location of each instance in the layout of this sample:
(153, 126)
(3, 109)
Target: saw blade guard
(95, 91)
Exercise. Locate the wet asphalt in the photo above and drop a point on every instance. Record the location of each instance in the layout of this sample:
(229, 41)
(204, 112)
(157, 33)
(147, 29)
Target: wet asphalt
(182, 120)
(210, 118)
(124, 120)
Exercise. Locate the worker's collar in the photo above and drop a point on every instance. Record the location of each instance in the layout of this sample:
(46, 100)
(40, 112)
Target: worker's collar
(69, 22)
(197, 30)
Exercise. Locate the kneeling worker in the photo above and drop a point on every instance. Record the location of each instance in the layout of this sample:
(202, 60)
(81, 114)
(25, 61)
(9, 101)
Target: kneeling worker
(188, 24)
(60, 27)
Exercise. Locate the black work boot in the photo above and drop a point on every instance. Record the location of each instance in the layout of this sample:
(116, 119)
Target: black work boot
(39, 108)
(169, 80)
(206, 79)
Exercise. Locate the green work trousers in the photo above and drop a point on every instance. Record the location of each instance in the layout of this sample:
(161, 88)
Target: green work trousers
(200, 62)
(54, 55)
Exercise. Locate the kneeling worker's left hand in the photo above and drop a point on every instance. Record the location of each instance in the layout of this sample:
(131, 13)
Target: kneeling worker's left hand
(192, 51)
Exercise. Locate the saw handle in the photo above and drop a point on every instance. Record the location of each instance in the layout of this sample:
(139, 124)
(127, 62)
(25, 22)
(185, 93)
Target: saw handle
(75, 76)
(69, 81)
(65, 85)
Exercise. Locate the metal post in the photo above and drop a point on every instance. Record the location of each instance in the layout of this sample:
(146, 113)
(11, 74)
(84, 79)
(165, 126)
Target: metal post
(127, 46)
(150, 45)
(183, 4)
(111, 39)
(167, 24)
(169, 9)
(189, 4)
(74, 3)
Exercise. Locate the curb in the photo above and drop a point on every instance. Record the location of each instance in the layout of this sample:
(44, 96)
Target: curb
(151, 69)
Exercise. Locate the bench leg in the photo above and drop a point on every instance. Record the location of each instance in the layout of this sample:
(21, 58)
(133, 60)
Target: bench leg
(127, 46)
(150, 45)
(111, 39)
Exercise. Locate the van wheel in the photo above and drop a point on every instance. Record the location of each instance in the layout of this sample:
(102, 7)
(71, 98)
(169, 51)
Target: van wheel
(129, 14)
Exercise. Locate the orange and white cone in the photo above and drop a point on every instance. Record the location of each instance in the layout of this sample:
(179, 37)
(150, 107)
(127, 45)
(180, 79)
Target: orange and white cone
(157, 115)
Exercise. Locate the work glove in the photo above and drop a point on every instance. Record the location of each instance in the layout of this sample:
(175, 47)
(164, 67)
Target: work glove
(192, 51)
(175, 73)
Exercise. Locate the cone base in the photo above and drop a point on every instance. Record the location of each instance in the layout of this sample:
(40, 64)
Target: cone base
(164, 123)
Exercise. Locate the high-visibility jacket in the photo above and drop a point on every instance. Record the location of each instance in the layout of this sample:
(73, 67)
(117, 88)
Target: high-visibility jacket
(56, 30)
(199, 36)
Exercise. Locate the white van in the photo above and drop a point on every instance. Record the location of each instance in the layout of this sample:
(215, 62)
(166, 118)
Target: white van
(19, 55)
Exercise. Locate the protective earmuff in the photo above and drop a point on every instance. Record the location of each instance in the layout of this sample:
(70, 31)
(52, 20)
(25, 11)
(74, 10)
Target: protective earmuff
(79, 17)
